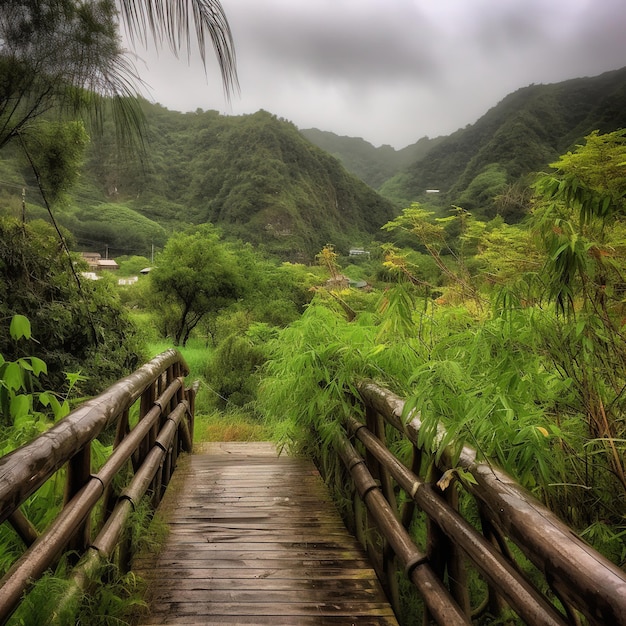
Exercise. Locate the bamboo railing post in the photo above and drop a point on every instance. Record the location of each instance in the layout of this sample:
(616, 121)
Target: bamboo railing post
(77, 476)
(495, 602)
(125, 551)
(408, 508)
(123, 428)
(145, 404)
(26, 531)
(167, 470)
(371, 419)
(386, 484)
(190, 396)
(436, 542)
(457, 572)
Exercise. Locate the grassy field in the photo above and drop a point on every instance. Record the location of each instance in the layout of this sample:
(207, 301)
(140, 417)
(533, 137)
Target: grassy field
(211, 424)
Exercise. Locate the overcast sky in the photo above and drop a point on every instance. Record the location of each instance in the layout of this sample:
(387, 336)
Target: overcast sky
(392, 71)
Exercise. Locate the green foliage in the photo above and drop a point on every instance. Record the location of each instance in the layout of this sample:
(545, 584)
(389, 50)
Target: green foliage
(255, 176)
(232, 372)
(21, 407)
(534, 381)
(73, 329)
(372, 165)
(132, 265)
(51, 55)
(445, 249)
(234, 424)
(55, 152)
(484, 188)
(313, 362)
(580, 219)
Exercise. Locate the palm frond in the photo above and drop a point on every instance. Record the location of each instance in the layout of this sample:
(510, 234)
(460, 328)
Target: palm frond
(175, 20)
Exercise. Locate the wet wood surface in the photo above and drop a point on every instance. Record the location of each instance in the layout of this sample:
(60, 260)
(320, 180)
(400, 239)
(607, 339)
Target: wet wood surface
(255, 539)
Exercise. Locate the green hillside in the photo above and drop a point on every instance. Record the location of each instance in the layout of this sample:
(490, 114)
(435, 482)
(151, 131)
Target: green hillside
(255, 176)
(525, 132)
(372, 165)
(262, 180)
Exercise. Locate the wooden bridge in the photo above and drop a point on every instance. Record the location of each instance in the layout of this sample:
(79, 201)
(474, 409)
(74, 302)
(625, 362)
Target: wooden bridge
(255, 539)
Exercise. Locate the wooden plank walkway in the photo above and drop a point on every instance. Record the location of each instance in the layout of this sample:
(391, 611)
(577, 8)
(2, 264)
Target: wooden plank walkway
(255, 539)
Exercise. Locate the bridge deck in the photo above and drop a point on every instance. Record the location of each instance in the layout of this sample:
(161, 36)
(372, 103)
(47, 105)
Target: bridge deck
(255, 539)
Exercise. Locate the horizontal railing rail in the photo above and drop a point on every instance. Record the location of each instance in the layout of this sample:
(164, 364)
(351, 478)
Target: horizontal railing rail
(587, 586)
(163, 428)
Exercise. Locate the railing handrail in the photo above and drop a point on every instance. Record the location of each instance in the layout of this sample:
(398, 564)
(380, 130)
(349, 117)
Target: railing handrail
(163, 429)
(577, 574)
(27, 468)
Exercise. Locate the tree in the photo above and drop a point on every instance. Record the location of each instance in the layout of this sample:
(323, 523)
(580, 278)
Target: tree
(65, 55)
(196, 274)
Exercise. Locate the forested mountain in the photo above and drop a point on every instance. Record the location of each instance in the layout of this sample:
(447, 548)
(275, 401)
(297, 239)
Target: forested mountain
(261, 179)
(372, 165)
(255, 176)
(525, 132)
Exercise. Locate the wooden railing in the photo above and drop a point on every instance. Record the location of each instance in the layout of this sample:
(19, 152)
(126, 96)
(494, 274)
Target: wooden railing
(567, 572)
(155, 396)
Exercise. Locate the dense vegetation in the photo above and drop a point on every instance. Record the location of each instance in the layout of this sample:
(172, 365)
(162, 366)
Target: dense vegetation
(261, 180)
(513, 339)
(481, 167)
(255, 176)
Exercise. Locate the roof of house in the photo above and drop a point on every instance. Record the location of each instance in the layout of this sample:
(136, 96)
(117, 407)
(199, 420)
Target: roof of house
(107, 263)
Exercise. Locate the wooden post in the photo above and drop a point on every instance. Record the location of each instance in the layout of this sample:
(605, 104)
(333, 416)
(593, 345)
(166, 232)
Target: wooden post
(78, 473)
(457, 572)
(27, 532)
(436, 542)
(109, 496)
(494, 601)
(146, 403)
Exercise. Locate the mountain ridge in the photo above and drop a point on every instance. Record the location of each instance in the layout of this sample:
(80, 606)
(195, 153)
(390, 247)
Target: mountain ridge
(523, 133)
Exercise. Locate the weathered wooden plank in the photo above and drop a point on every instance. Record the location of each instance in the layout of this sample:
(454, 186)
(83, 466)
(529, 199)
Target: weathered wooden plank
(263, 596)
(292, 608)
(312, 574)
(331, 582)
(268, 563)
(274, 620)
(255, 539)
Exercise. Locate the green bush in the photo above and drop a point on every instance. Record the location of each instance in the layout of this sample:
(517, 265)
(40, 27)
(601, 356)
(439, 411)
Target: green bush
(233, 372)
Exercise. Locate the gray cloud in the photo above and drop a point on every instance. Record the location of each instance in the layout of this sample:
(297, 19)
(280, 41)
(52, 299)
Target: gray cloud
(392, 71)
